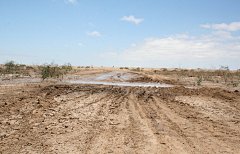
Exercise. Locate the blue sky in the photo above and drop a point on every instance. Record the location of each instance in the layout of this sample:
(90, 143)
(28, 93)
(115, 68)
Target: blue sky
(144, 33)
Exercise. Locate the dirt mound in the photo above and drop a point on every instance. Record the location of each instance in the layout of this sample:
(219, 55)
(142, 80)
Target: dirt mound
(146, 79)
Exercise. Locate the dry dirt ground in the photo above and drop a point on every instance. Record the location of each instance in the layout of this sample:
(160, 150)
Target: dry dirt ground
(61, 117)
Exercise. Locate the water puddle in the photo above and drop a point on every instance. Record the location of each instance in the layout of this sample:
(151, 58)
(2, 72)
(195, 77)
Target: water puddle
(122, 83)
(104, 77)
(126, 84)
(116, 75)
(119, 78)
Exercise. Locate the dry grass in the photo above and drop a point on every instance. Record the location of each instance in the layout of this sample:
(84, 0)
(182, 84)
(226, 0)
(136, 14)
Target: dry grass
(222, 75)
(45, 71)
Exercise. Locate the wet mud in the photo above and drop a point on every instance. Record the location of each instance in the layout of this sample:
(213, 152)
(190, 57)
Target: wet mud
(89, 118)
(147, 79)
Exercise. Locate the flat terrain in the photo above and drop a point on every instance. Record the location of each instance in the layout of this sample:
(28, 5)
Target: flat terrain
(68, 117)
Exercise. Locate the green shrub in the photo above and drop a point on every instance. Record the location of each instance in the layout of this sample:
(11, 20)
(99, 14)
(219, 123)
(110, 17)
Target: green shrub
(67, 67)
(199, 80)
(9, 66)
(52, 70)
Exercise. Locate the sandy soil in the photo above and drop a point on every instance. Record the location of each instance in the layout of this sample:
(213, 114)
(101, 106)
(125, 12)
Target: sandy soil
(58, 117)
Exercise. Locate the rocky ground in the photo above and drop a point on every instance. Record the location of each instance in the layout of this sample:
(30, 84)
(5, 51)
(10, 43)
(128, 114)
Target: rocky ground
(60, 117)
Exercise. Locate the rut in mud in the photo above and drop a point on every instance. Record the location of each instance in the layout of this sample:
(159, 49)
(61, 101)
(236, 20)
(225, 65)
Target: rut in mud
(111, 119)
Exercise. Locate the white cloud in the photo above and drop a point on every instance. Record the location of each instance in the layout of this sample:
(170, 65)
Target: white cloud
(219, 36)
(70, 1)
(91, 24)
(133, 45)
(174, 49)
(109, 48)
(66, 45)
(181, 36)
(206, 26)
(234, 26)
(132, 19)
(94, 33)
(80, 44)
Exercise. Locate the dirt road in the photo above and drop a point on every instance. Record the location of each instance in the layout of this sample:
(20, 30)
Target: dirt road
(88, 118)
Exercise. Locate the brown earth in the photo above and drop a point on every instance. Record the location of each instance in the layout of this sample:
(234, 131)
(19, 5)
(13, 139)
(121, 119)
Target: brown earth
(56, 117)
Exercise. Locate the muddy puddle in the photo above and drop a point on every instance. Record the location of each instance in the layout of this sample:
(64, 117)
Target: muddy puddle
(125, 84)
(121, 83)
(115, 78)
(116, 75)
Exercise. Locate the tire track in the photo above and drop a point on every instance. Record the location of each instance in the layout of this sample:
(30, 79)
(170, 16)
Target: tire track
(112, 119)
